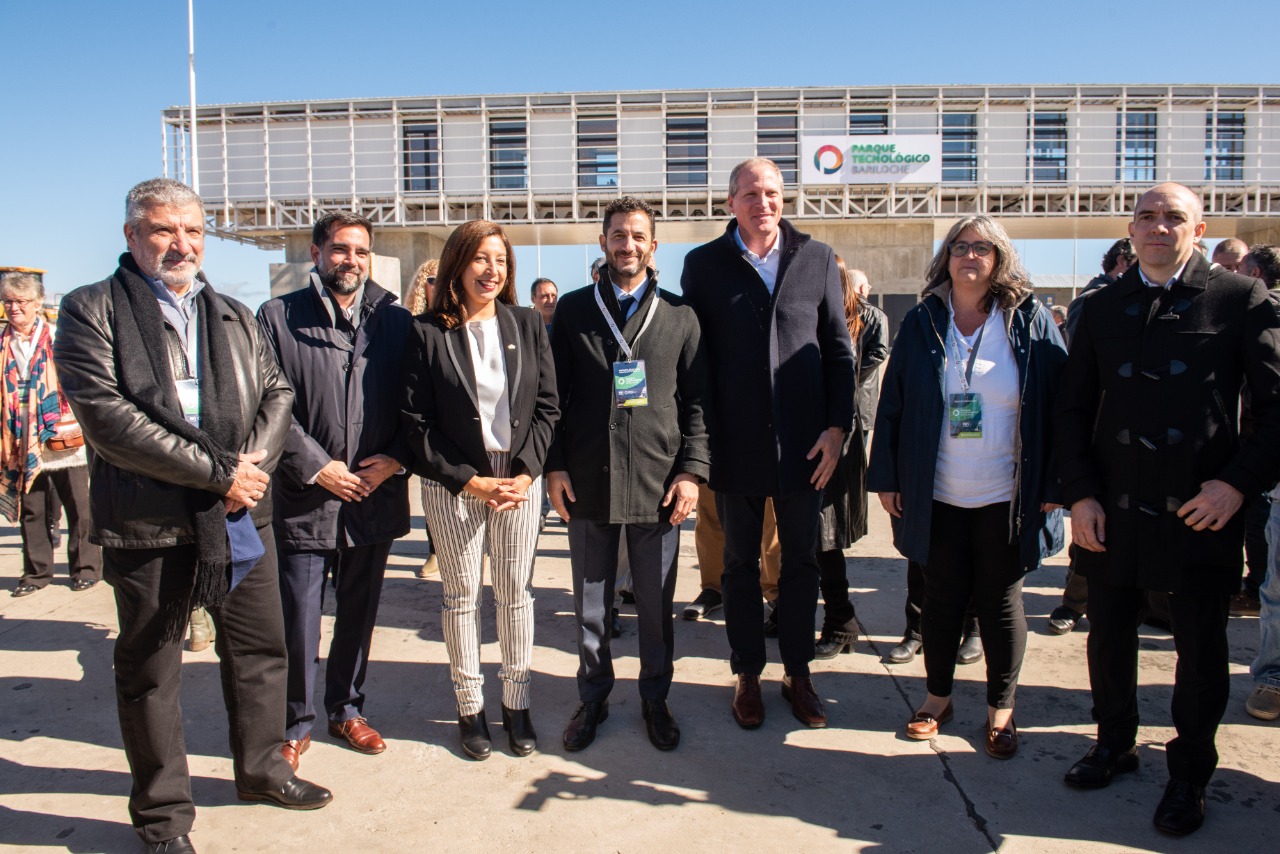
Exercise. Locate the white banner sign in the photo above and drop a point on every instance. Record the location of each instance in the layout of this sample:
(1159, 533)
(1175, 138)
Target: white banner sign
(901, 159)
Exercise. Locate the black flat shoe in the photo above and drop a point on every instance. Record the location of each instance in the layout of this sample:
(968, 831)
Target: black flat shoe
(1099, 765)
(475, 735)
(1063, 620)
(519, 731)
(1181, 810)
(970, 651)
(664, 732)
(296, 794)
(23, 590)
(82, 584)
(581, 730)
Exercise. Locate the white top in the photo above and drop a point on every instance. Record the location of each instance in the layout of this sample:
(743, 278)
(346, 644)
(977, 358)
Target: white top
(766, 265)
(978, 472)
(491, 384)
(24, 350)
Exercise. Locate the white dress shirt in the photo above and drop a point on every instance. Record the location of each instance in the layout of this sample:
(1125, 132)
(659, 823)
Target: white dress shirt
(766, 265)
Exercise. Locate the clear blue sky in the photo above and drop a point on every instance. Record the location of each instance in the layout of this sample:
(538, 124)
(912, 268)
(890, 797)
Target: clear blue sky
(84, 82)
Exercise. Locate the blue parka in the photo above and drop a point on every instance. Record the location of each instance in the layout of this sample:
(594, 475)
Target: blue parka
(904, 447)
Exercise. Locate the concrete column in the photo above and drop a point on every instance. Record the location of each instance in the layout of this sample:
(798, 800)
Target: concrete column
(894, 255)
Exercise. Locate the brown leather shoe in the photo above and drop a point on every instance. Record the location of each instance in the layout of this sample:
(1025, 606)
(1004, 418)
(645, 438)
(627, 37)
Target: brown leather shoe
(293, 750)
(358, 734)
(924, 726)
(806, 705)
(748, 708)
(1002, 742)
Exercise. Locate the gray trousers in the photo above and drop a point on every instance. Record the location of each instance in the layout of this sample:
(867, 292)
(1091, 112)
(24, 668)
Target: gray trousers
(653, 551)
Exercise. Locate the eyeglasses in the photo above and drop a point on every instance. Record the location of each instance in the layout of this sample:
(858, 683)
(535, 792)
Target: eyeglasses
(981, 248)
(17, 303)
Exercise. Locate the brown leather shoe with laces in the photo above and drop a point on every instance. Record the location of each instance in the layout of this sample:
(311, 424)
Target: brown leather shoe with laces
(748, 707)
(358, 734)
(806, 705)
(293, 750)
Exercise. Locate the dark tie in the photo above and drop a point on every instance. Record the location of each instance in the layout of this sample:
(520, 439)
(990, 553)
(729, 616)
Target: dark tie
(625, 304)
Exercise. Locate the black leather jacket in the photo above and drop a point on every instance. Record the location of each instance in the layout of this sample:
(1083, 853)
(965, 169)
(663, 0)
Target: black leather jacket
(138, 470)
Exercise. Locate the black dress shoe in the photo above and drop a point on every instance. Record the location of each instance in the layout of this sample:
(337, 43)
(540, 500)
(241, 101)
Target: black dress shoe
(519, 731)
(82, 584)
(581, 730)
(615, 624)
(296, 794)
(23, 590)
(905, 651)
(178, 845)
(1181, 810)
(970, 651)
(1099, 765)
(837, 640)
(1063, 620)
(664, 732)
(475, 735)
(708, 600)
(771, 621)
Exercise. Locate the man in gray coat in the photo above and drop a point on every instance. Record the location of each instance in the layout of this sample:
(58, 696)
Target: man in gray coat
(628, 454)
(341, 490)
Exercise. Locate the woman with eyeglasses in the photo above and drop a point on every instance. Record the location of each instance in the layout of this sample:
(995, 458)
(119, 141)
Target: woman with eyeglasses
(479, 407)
(961, 461)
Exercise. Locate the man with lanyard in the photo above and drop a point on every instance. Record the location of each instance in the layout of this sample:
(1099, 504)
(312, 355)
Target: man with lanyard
(628, 454)
(342, 497)
(180, 399)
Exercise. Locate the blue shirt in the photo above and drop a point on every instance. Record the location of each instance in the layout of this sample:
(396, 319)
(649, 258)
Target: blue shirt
(766, 266)
(180, 313)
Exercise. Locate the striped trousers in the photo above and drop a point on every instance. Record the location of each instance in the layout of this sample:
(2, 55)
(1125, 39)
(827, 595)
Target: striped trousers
(464, 529)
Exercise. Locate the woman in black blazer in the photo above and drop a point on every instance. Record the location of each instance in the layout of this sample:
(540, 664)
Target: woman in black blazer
(479, 407)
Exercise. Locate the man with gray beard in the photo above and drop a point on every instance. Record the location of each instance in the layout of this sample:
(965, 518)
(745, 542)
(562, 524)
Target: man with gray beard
(341, 489)
(185, 415)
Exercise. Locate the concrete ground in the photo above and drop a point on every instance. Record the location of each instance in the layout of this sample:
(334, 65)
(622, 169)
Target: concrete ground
(857, 785)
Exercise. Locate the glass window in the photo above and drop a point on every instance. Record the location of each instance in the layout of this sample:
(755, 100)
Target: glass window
(598, 152)
(776, 139)
(421, 158)
(686, 151)
(508, 155)
(960, 147)
(1223, 146)
(1047, 151)
(868, 122)
(1136, 145)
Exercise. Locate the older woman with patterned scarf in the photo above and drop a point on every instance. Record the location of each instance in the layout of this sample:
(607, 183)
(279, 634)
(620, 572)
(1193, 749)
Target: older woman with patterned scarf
(40, 443)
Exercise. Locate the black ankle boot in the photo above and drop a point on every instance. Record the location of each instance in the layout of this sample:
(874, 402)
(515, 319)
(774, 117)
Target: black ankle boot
(475, 735)
(837, 640)
(519, 730)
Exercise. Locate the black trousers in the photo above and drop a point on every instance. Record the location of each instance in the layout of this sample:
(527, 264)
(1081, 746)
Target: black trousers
(149, 585)
(833, 580)
(653, 552)
(915, 604)
(1075, 591)
(84, 559)
(1201, 683)
(742, 518)
(358, 572)
(970, 557)
(1257, 510)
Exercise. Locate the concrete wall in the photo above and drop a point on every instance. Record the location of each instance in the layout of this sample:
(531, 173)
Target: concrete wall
(894, 255)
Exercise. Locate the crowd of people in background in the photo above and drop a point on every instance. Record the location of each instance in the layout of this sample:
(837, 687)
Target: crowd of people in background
(241, 468)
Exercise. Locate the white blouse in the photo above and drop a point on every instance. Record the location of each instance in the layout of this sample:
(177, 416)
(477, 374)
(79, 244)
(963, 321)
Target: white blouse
(491, 384)
(980, 471)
